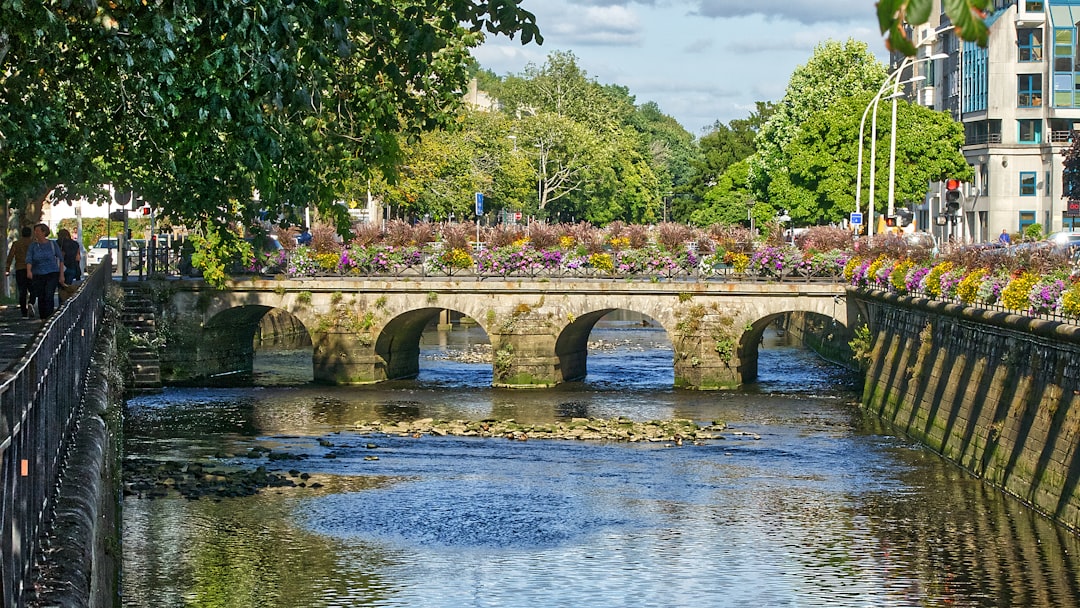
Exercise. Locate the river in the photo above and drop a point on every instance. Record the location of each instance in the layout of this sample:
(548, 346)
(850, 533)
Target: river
(805, 502)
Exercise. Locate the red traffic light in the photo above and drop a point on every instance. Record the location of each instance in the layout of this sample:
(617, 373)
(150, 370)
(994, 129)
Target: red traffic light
(952, 184)
(145, 210)
(890, 221)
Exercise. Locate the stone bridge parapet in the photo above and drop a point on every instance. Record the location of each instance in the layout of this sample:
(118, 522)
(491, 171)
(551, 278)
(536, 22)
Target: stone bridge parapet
(366, 331)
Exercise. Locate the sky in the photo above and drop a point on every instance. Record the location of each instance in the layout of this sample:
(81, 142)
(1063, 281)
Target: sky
(700, 60)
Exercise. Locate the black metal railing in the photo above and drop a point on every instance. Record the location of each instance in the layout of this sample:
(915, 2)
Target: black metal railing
(39, 398)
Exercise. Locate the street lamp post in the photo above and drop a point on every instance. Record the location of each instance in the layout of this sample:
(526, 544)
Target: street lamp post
(892, 135)
(894, 80)
(873, 143)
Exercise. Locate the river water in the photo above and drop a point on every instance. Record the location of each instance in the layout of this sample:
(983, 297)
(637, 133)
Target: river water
(804, 503)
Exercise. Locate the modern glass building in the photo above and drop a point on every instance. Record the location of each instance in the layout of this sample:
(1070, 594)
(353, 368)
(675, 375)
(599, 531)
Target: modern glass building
(1019, 102)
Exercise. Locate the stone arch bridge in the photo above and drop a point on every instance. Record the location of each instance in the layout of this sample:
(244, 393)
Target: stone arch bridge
(366, 331)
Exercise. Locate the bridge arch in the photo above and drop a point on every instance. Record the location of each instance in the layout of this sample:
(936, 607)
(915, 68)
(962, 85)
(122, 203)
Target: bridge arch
(227, 340)
(572, 343)
(752, 338)
(398, 340)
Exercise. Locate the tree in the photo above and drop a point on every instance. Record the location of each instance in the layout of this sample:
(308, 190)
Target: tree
(226, 111)
(719, 149)
(726, 201)
(835, 71)
(819, 185)
(967, 16)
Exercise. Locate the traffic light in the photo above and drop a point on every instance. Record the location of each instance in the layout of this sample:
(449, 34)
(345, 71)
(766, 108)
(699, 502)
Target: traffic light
(145, 210)
(952, 195)
(890, 221)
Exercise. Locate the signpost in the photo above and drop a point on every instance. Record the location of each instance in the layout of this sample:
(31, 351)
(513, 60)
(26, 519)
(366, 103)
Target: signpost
(479, 212)
(856, 221)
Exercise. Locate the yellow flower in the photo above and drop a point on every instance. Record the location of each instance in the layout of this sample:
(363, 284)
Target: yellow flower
(849, 268)
(457, 258)
(327, 261)
(968, 289)
(601, 261)
(566, 241)
(899, 275)
(1070, 300)
(1015, 294)
(933, 279)
(740, 262)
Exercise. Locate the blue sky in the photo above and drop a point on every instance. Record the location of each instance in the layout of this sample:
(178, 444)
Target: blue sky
(700, 60)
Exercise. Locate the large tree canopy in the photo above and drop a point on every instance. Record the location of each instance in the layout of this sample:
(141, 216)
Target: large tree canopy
(223, 111)
(835, 71)
(820, 181)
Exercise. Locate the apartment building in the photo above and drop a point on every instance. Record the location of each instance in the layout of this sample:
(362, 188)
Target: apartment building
(1019, 101)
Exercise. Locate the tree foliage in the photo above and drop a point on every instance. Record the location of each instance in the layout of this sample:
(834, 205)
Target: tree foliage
(967, 16)
(222, 111)
(819, 185)
(835, 71)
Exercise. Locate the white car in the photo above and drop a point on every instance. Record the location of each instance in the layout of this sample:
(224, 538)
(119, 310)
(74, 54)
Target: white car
(107, 245)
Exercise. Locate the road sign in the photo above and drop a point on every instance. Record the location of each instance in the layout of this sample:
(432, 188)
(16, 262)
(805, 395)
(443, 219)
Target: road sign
(856, 219)
(479, 203)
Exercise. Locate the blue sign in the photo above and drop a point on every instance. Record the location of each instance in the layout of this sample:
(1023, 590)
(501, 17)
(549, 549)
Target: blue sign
(479, 203)
(856, 219)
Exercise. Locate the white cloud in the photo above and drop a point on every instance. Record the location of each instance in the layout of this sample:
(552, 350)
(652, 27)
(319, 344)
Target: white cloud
(800, 11)
(596, 26)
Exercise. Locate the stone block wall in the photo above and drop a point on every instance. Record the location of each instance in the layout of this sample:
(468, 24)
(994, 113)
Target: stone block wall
(998, 394)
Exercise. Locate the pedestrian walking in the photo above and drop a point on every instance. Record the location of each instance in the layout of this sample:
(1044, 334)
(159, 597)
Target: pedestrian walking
(17, 258)
(72, 254)
(44, 268)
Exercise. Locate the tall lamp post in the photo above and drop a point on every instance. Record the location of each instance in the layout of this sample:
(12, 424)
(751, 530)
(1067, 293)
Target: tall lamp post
(892, 135)
(892, 79)
(873, 148)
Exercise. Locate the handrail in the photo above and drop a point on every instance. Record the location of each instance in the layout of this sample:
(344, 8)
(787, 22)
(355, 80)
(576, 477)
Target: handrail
(40, 395)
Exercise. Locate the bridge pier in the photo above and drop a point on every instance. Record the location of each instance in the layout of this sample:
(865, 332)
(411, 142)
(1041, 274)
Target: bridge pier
(342, 357)
(524, 361)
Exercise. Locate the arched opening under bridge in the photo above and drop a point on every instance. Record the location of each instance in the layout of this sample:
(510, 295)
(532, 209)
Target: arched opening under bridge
(616, 348)
(436, 346)
(259, 345)
(797, 352)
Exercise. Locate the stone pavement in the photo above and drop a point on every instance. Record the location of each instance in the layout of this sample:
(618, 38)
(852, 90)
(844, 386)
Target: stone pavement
(16, 333)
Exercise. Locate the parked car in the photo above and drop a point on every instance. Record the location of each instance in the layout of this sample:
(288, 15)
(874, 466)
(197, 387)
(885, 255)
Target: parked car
(1065, 241)
(107, 245)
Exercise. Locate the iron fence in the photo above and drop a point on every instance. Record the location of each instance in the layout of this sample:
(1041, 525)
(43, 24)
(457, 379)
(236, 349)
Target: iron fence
(39, 396)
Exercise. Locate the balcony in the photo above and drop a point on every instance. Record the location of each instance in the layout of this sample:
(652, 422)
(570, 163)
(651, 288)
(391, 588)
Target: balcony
(982, 139)
(1060, 137)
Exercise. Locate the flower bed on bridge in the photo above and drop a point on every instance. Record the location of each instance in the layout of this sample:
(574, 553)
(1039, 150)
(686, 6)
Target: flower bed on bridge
(1031, 281)
(652, 262)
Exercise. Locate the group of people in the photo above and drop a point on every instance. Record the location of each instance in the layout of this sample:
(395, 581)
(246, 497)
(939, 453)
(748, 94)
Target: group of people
(42, 266)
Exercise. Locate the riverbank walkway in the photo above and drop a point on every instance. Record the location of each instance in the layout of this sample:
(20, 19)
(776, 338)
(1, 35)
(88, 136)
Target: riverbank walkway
(16, 334)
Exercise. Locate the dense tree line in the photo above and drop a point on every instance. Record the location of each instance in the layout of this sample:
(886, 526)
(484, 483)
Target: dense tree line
(223, 112)
(561, 146)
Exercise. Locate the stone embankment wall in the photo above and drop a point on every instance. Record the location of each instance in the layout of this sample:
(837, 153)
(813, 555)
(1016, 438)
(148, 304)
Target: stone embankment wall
(996, 393)
(823, 335)
(81, 564)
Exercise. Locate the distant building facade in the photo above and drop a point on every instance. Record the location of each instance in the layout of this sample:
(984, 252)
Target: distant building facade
(1019, 101)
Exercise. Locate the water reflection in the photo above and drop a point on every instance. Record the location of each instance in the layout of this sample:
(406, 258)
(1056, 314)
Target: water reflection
(826, 509)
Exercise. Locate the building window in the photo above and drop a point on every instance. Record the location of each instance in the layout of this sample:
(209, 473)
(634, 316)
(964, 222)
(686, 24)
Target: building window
(1029, 90)
(1029, 41)
(1033, 6)
(1064, 77)
(1030, 131)
(1027, 218)
(1027, 183)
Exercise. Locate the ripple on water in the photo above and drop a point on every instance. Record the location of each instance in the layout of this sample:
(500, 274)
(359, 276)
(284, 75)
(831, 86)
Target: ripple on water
(462, 513)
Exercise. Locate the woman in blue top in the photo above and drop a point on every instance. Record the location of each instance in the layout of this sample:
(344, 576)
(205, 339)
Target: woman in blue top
(44, 268)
